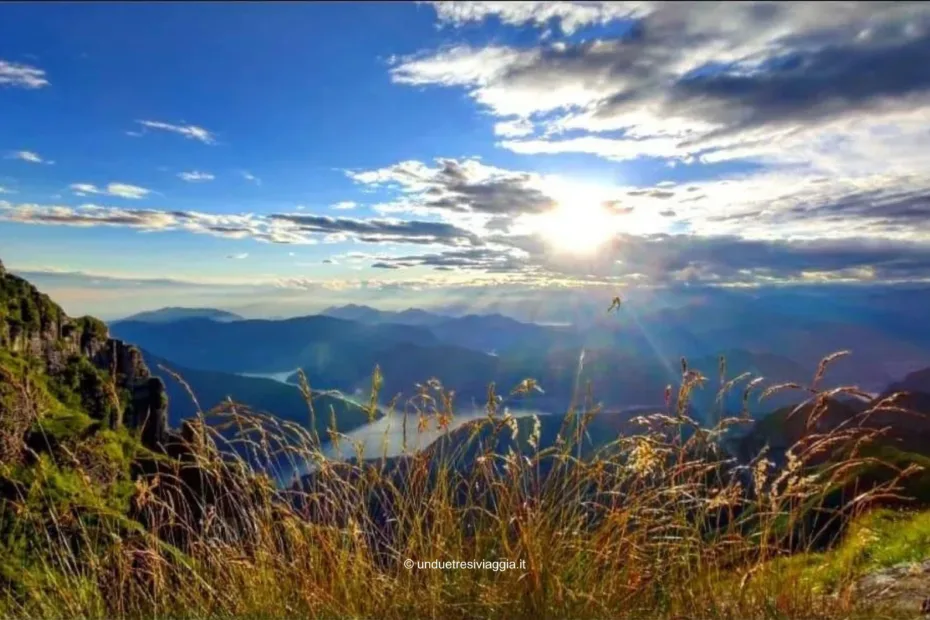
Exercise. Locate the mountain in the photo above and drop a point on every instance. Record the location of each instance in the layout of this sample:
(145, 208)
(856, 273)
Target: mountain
(263, 346)
(367, 314)
(903, 428)
(282, 400)
(624, 364)
(497, 333)
(167, 315)
(917, 381)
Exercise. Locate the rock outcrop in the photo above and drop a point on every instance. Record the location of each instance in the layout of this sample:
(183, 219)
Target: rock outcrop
(901, 589)
(34, 326)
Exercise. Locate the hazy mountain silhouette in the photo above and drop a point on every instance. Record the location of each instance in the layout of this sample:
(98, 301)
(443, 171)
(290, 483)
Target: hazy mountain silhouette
(166, 315)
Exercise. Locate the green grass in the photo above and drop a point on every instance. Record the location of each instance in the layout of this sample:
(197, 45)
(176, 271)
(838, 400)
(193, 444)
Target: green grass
(874, 541)
(658, 525)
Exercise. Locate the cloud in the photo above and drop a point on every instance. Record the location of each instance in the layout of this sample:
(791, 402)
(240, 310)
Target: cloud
(488, 260)
(241, 256)
(345, 205)
(808, 83)
(192, 132)
(248, 176)
(282, 228)
(55, 277)
(664, 259)
(466, 186)
(570, 15)
(5, 190)
(120, 190)
(19, 75)
(381, 230)
(29, 156)
(516, 128)
(194, 176)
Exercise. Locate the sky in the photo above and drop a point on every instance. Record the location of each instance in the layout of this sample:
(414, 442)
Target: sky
(275, 158)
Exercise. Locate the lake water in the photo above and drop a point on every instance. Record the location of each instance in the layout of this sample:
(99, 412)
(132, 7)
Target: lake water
(385, 436)
(280, 377)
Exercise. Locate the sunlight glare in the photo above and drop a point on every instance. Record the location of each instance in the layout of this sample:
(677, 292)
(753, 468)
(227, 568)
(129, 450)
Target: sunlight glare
(579, 226)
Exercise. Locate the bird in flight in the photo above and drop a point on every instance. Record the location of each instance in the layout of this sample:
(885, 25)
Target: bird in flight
(615, 305)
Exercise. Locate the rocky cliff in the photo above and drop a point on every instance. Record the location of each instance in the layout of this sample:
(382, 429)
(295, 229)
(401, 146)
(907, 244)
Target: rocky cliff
(107, 376)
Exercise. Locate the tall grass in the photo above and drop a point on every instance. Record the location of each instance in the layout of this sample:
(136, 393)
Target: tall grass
(659, 524)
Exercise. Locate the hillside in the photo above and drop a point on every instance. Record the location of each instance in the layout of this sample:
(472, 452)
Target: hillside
(262, 395)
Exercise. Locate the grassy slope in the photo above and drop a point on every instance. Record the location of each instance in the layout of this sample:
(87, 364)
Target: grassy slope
(623, 561)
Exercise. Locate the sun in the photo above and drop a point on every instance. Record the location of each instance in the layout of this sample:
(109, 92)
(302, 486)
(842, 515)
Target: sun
(580, 226)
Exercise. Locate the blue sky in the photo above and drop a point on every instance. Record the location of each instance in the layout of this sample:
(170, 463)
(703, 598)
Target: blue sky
(302, 153)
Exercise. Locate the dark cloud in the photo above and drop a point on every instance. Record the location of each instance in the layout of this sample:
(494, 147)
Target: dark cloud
(664, 258)
(652, 193)
(727, 257)
(489, 260)
(884, 207)
(277, 228)
(808, 85)
(682, 76)
(380, 231)
(465, 187)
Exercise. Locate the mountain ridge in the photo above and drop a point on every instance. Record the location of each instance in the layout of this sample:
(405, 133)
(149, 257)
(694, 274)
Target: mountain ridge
(176, 313)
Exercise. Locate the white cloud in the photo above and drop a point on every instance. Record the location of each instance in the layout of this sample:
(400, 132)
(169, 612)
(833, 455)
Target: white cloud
(21, 75)
(571, 15)
(192, 132)
(248, 176)
(240, 256)
(282, 228)
(345, 205)
(777, 83)
(29, 156)
(194, 176)
(516, 128)
(119, 190)
(4, 190)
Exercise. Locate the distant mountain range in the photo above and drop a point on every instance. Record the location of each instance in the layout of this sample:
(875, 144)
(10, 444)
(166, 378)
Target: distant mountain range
(167, 315)
(622, 366)
(624, 360)
(367, 314)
